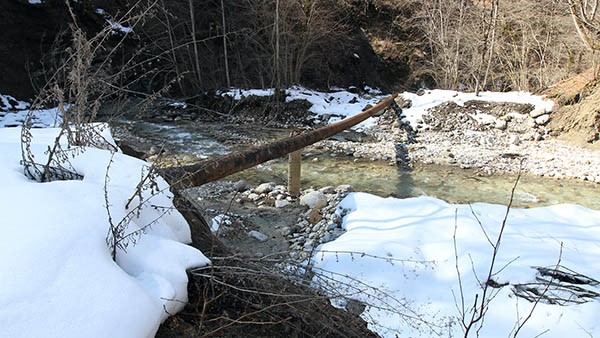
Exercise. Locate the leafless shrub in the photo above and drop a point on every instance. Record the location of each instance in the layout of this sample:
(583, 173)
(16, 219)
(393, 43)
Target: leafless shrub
(499, 45)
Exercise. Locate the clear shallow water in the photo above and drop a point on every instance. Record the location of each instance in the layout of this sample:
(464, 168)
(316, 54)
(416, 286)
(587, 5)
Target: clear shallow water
(451, 184)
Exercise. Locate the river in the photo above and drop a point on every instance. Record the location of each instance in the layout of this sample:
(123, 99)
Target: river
(449, 183)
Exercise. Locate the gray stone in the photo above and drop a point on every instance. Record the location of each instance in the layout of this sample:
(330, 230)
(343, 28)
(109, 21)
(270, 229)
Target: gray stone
(254, 197)
(314, 199)
(515, 140)
(259, 236)
(344, 188)
(240, 185)
(281, 203)
(328, 190)
(355, 307)
(537, 112)
(328, 238)
(265, 188)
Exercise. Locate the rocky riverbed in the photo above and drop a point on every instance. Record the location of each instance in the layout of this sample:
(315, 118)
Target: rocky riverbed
(487, 138)
(265, 221)
(490, 137)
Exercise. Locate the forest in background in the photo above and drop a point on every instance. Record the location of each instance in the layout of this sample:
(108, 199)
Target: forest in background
(186, 47)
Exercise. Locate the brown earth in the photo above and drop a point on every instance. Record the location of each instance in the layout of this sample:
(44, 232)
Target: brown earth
(577, 119)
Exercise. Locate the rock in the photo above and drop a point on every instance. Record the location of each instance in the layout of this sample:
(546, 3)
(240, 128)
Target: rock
(543, 119)
(328, 238)
(281, 203)
(328, 190)
(537, 112)
(500, 124)
(314, 216)
(259, 236)
(344, 188)
(314, 200)
(265, 188)
(515, 140)
(254, 197)
(286, 231)
(355, 307)
(240, 185)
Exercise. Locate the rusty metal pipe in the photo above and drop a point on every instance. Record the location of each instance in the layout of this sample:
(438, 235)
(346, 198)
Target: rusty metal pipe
(207, 171)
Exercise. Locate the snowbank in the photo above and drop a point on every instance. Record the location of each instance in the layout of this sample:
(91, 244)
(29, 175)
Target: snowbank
(338, 104)
(404, 250)
(433, 98)
(58, 277)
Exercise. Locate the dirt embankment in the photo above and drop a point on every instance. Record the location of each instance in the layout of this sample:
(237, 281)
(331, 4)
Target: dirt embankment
(577, 117)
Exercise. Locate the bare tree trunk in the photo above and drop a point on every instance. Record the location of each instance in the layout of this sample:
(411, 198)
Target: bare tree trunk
(195, 42)
(277, 61)
(225, 44)
(492, 40)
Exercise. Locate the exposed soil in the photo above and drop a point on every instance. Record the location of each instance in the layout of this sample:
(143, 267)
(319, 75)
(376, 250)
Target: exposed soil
(577, 117)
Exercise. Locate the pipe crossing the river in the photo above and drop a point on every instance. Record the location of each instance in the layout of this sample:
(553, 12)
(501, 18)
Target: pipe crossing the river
(211, 170)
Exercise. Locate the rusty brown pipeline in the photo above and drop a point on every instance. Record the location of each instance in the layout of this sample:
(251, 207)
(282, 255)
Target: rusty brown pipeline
(223, 166)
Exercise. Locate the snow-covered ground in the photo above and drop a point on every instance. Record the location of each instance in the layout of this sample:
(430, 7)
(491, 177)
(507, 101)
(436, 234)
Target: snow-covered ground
(398, 255)
(58, 278)
(340, 103)
(432, 98)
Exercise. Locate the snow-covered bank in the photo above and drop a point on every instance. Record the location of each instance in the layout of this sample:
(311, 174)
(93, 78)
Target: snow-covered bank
(328, 106)
(58, 278)
(399, 256)
(420, 104)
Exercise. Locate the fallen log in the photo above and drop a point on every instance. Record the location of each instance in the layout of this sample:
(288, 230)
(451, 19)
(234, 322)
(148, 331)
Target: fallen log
(207, 171)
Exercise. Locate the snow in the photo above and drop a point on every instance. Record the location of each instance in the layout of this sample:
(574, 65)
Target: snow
(398, 256)
(334, 106)
(217, 221)
(58, 276)
(340, 103)
(433, 98)
(115, 26)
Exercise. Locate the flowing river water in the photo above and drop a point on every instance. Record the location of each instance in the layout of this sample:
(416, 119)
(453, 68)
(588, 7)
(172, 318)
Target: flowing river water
(449, 183)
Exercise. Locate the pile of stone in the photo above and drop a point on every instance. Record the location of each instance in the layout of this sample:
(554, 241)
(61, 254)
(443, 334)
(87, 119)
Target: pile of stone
(321, 223)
